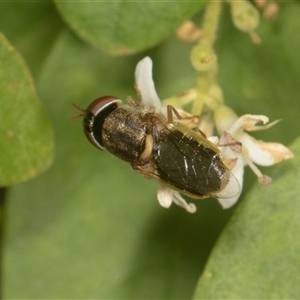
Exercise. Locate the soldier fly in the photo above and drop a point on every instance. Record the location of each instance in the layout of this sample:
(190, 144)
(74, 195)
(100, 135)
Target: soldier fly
(180, 157)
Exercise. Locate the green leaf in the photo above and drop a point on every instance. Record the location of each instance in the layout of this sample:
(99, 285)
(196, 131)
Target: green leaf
(32, 28)
(26, 137)
(126, 27)
(257, 256)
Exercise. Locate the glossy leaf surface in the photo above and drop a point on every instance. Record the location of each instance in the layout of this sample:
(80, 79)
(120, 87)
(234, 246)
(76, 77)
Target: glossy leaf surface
(260, 243)
(26, 138)
(126, 27)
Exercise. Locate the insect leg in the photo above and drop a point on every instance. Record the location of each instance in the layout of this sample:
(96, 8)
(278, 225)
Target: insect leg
(170, 110)
(146, 170)
(231, 142)
(198, 130)
(133, 103)
(186, 116)
(139, 93)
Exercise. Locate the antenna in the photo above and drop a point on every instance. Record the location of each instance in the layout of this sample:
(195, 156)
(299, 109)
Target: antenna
(78, 115)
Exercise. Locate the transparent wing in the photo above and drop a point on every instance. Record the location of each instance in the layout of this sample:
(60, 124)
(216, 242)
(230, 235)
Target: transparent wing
(231, 192)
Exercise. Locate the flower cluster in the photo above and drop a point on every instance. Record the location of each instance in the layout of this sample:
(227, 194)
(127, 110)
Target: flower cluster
(231, 128)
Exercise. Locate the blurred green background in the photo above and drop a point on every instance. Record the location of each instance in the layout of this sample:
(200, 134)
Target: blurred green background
(89, 226)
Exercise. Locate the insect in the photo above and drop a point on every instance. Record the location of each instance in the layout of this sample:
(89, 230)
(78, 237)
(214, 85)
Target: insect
(180, 157)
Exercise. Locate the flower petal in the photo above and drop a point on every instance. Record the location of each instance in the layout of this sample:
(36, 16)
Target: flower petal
(228, 202)
(265, 154)
(278, 151)
(145, 84)
(248, 122)
(165, 196)
(235, 162)
(179, 200)
(237, 175)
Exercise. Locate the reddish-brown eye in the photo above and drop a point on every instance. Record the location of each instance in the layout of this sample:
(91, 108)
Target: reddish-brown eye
(95, 116)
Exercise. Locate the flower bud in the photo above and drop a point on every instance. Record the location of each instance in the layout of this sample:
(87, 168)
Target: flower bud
(245, 16)
(203, 58)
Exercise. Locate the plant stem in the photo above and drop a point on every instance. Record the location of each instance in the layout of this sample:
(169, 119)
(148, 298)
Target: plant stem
(204, 60)
(211, 23)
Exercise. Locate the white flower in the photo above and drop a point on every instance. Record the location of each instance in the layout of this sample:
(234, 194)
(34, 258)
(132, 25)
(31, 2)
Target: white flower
(231, 129)
(145, 88)
(166, 195)
(144, 84)
(253, 151)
